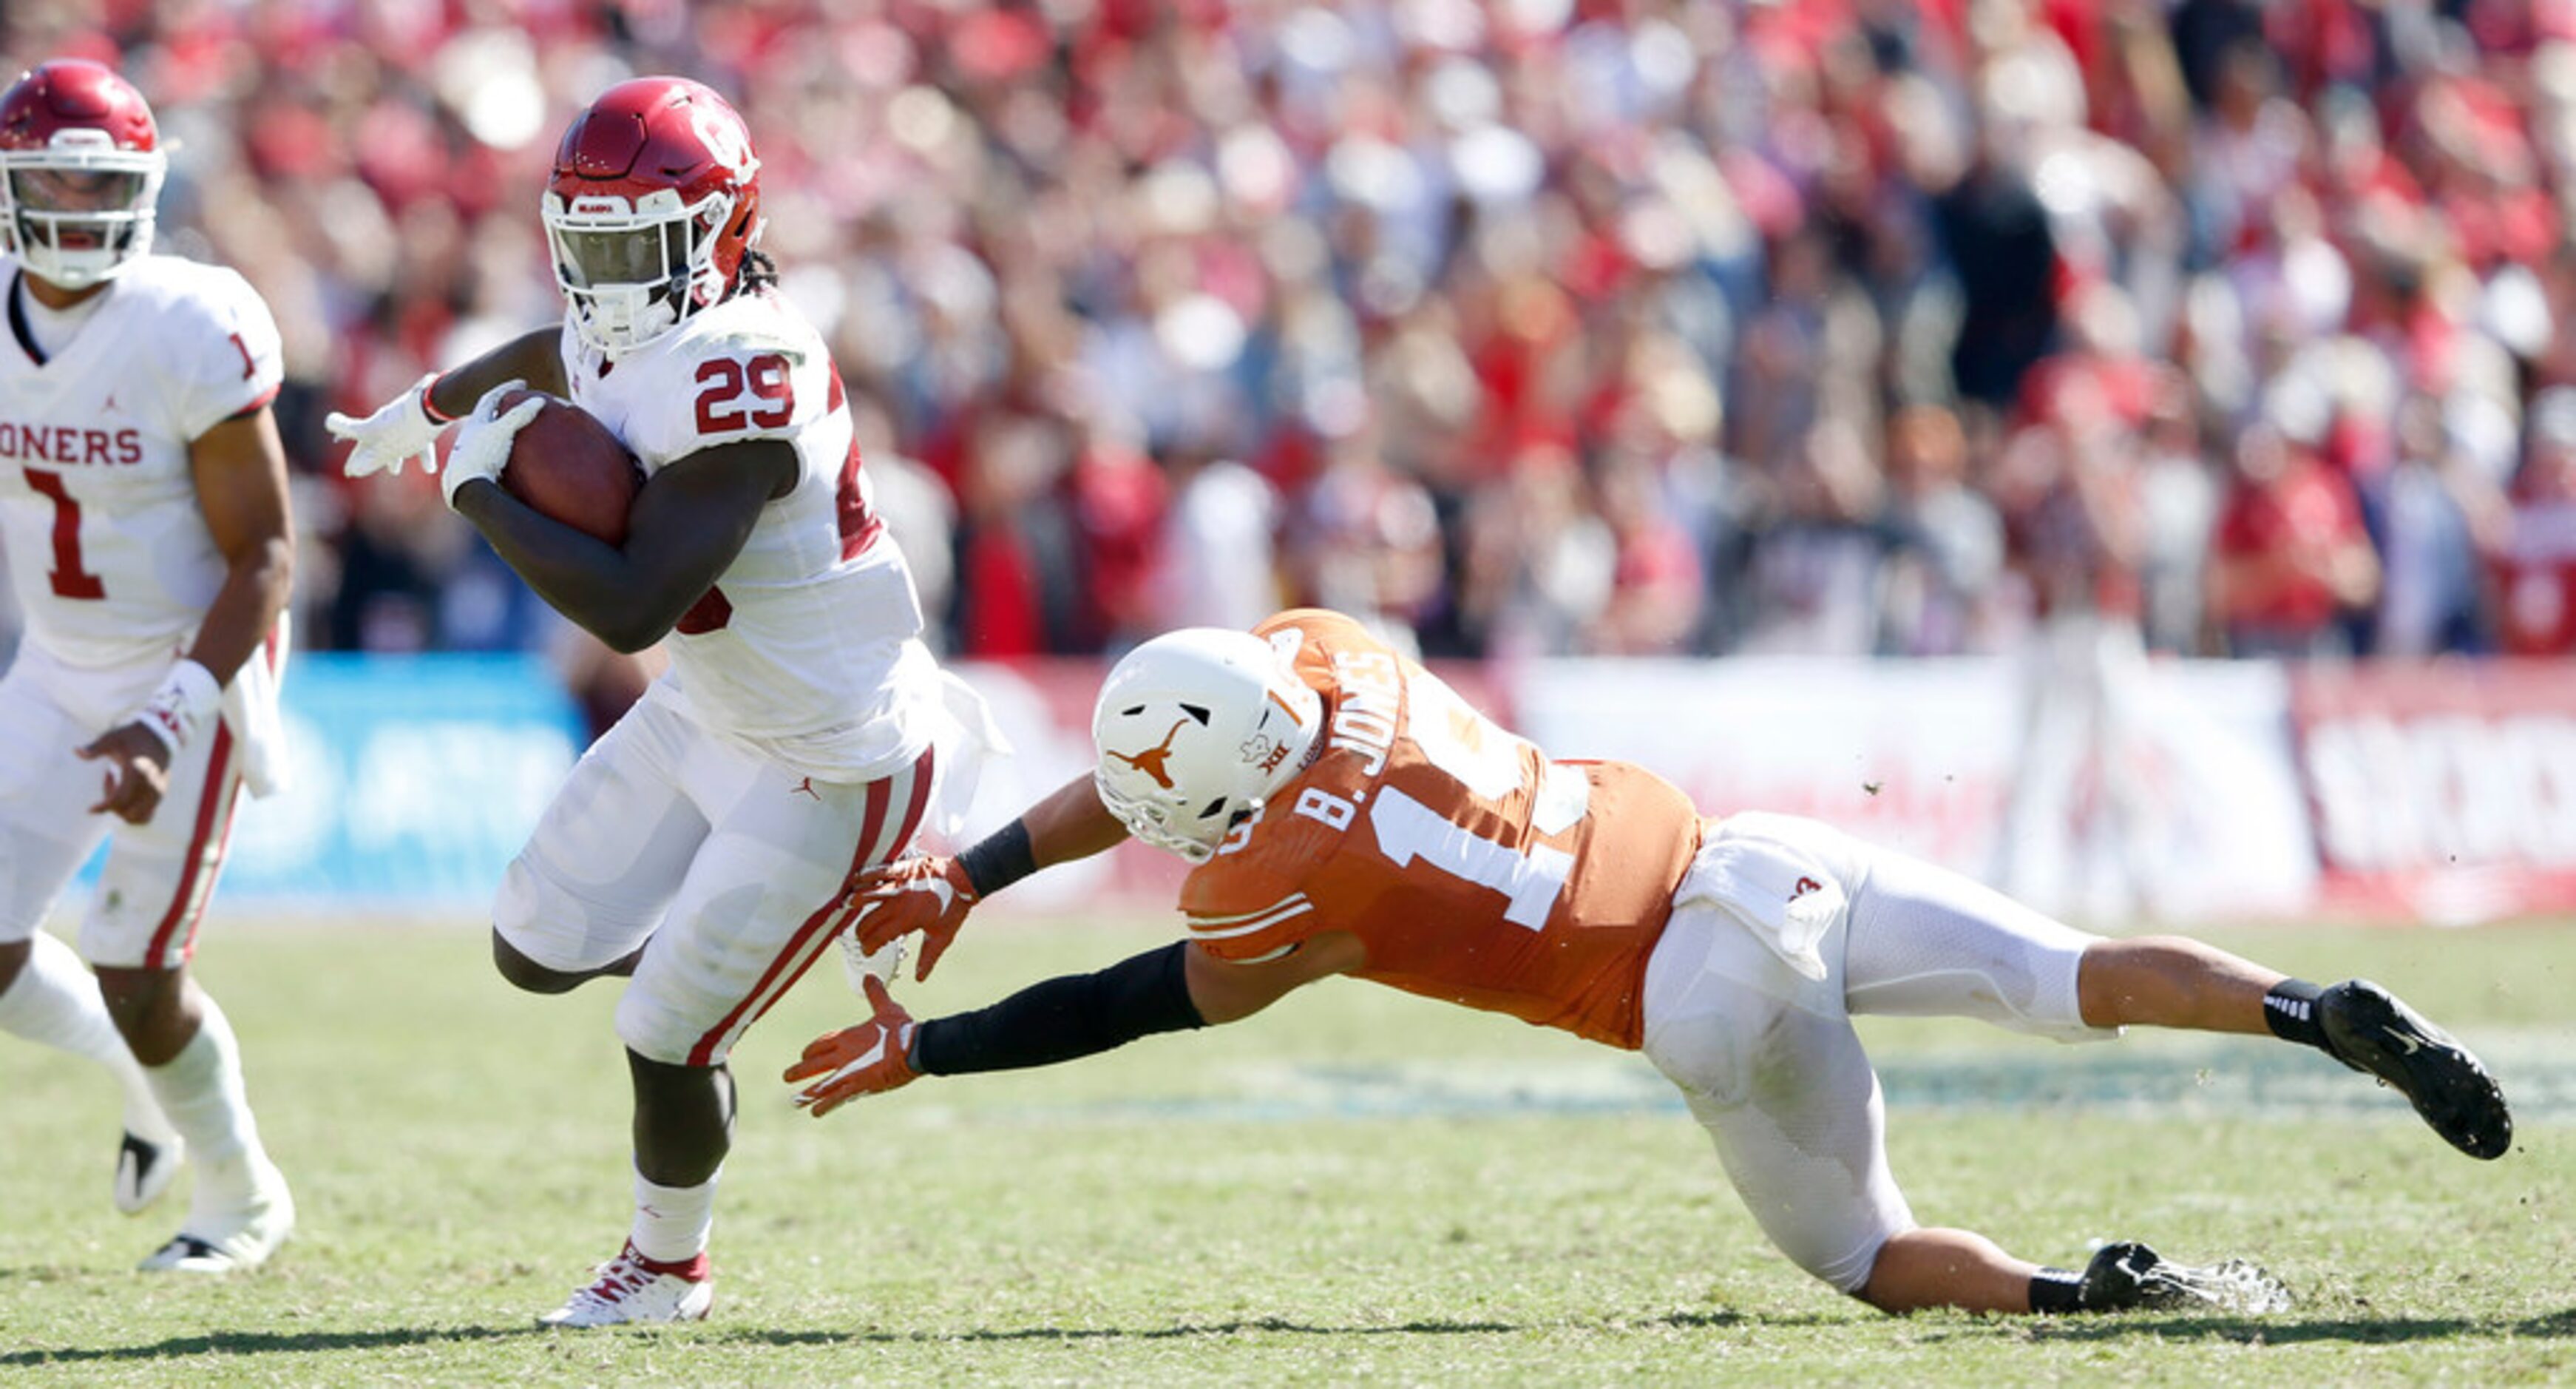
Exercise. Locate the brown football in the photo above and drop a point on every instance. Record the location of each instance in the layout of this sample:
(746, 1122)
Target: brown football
(568, 466)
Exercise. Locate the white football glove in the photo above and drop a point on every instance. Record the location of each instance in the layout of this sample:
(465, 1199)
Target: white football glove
(482, 446)
(397, 433)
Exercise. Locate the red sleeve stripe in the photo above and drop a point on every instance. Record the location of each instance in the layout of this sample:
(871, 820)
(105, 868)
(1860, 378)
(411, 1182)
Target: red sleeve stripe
(874, 846)
(254, 407)
(204, 860)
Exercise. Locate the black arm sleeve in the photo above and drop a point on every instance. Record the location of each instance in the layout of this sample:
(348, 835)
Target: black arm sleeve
(1063, 1018)
(999, 859)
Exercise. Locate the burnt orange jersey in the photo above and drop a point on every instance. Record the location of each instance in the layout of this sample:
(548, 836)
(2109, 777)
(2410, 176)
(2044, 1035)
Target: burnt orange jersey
(1476, 870)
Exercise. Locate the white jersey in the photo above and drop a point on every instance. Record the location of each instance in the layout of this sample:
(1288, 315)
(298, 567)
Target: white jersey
(109, 555)
(809, 645)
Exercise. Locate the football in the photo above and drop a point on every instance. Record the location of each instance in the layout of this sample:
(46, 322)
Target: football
(568, 466)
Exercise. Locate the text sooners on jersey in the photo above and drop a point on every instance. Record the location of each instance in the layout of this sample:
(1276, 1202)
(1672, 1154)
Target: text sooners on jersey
(808, 647)
(1475, 870)
(109, 555)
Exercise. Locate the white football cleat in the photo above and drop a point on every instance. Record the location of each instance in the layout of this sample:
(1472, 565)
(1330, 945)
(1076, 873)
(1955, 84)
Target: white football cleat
(145, 1169)
(635, 1290)
(238, 1237)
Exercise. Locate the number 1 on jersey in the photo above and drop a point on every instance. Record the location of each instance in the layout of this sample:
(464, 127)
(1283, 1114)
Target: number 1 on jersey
(70, 580)
(1407, 829)
(1488, 762)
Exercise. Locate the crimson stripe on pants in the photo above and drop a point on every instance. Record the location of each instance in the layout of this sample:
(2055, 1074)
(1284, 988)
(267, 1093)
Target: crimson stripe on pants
(199, 868)
(869, 857)
(921, 779)
(807, 944)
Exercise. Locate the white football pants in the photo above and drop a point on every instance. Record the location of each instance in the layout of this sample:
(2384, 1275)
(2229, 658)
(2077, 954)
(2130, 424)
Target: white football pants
(1766, 1054)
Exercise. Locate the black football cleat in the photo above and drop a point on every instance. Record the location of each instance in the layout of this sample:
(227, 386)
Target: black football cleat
(2128, 1277)
(2370, 1031)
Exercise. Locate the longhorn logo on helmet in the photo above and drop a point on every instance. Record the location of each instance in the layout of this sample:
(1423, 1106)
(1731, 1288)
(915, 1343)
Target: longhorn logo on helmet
(1151, 760)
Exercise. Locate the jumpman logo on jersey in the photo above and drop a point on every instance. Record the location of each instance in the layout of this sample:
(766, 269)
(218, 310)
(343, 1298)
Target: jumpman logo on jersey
(806, 786)
(1151, 760)
(108, 406)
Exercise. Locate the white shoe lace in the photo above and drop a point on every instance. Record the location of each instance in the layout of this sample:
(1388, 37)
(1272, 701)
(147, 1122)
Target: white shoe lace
(2237, 1286)
(619, 1278)
(615, 1296)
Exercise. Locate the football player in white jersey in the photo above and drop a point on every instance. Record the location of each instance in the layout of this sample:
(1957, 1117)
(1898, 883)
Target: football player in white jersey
(143, 503)
(698, 847)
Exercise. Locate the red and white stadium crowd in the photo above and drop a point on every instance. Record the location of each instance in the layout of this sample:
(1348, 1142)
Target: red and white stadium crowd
(1521, 327)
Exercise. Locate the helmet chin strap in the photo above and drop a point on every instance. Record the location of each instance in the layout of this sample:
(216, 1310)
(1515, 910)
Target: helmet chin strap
(38, 240)
(619, 320)
(1138, 817)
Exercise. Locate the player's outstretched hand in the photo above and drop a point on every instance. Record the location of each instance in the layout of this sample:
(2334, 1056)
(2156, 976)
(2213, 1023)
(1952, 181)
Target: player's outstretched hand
(397, 433)
(483, 442)
(868, 1059)
(137, 774)
(925, 893)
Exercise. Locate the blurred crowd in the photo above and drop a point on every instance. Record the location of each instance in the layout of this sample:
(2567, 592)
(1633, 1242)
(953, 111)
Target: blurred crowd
(1516, 326)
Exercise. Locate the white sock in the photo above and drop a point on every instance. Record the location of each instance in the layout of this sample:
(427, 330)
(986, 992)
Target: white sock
(55, 1001)
(671, 1222)
(201, 1090)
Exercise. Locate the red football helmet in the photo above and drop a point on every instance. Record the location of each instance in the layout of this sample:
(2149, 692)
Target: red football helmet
(80, 170)
(654, 202)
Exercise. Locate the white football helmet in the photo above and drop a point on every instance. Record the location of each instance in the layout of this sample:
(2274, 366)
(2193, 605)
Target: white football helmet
(1196, 728)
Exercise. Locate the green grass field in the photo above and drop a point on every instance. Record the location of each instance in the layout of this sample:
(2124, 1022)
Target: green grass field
(1355, 1187)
